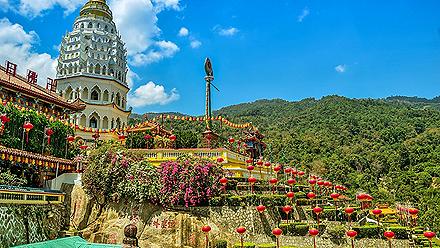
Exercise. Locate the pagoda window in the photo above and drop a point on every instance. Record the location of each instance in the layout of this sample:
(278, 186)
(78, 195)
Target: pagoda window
(90, 25)
(123, 103)
(118, 99)
(98, 69)
(99, 25)
(85, 94)
(106, 28)
(83, 120)
(93, 122)
(95, 94)
(82, 25)
(68, 93)
(112, 124)
(118, 123)
(105, 96)
(105, 122)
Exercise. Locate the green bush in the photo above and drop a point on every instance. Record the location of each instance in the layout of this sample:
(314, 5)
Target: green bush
(301, 230)
(220, 244)
(400, 232)
(369, 231)
(245, 245)
(266, 246)
(336, 233)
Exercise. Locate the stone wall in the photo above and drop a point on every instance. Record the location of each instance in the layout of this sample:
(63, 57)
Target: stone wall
(162, 228)
(20, 224)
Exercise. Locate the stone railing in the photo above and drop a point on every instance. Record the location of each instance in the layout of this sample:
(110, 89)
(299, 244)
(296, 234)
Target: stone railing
(29, 196)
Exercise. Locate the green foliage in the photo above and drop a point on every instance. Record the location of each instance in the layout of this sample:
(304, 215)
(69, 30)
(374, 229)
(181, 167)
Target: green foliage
(336, 233)
(13, 133)
(390, 149)
(220, 244)
(107, 167)
(7, 178)
(400, 232)
(245, 245)
(142, 183)
(369, 231)
(266, 246)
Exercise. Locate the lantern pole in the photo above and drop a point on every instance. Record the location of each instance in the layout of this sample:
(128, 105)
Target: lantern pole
(67, 144)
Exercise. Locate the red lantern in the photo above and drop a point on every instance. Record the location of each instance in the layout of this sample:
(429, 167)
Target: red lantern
(349, 210)
(389, 235)
(335, 196)
(313, 232)
(267, 164)
(147, 137)
(240, 230)
(291, 181)
(252, 180)
(70, 138)
(311, 195)
(320, 183)
(220, 160)
(83, 147)
(4, 118)
(277, 232)
(429, 235)
(413, 211)
(259, 162)
(249, 161)
(231, 140)
(173, 137)
(27, 127)
(288, 170)
(261, 208)
(352, 234)
(301, 173)
(206, 229)
(277, 168)
(273, 181)
(223, 181)
(250, 168)
(290, 195)
(377, 211)
(312, 182)
(294, 171)
(49, 132)
(287, 209)
(317, 210)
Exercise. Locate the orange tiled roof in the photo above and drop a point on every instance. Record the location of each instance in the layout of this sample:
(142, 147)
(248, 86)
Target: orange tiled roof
(20, 84)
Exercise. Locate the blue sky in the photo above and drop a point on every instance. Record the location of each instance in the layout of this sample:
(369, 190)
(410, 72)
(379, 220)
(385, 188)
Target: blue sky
(260, 49)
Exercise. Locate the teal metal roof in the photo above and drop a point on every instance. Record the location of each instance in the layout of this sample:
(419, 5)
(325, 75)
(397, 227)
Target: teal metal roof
(69, 242)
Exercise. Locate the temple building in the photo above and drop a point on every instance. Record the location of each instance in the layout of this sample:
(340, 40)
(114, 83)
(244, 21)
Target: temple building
(92, 68)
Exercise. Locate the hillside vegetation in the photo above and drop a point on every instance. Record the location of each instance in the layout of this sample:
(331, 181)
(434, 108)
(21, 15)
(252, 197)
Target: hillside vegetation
(385, 147)
(389, 147)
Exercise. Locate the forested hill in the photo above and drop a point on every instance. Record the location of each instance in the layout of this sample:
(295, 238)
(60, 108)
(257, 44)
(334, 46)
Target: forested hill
(387, 147)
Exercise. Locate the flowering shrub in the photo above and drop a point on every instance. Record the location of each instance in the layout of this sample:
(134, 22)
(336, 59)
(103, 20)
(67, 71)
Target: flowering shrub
(107, 167)
(142, 183)
(190, 181)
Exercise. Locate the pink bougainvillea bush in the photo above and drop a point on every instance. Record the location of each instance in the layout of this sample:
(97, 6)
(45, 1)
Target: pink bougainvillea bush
(189, 181)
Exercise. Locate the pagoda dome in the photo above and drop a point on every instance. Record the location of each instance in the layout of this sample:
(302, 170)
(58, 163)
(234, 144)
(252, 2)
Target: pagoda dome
(96, 8)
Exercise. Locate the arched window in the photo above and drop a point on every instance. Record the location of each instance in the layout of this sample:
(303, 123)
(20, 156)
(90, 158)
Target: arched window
(94, 96)
(105, 96)
(82, 25)
(105, 122)
(93, 122)
(82, 120)
(85, 94)
(90, 25)
(118, 99)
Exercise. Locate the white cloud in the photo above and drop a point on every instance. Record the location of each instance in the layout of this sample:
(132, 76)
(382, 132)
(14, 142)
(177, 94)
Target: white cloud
(16, 45)
(150, 94)
(137, 22)
(305, 12)
(34, 8)
(341, 68)
(131, 77)
(183, 32)
(4, 5)
(164, 4)
(195, 44)
(162, 49)
(226, 31)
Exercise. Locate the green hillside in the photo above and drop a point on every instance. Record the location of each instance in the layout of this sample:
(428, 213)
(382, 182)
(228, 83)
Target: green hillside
(387, 147)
